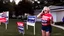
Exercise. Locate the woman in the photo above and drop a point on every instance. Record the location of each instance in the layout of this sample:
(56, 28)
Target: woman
(47, 19)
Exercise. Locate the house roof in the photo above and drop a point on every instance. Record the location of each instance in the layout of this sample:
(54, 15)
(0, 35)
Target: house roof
(56, 8)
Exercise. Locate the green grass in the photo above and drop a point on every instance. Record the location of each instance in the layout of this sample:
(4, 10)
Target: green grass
(13, 31)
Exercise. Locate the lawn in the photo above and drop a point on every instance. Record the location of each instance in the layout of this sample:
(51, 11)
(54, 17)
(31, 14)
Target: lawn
(13, 31)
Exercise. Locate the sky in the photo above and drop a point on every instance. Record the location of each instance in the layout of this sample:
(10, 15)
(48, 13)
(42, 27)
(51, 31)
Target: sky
(16, 1)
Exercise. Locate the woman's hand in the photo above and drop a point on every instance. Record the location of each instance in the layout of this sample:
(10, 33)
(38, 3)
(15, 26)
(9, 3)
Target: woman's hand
(39, 15)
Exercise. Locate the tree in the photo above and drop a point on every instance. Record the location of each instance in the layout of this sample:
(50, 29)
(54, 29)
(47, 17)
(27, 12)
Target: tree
(24, 7)
(1, 6)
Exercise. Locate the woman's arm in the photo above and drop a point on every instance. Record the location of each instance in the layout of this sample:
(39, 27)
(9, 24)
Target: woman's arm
(39, 15)
(51, 20)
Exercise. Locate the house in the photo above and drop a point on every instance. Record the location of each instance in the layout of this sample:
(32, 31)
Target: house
(56, 11)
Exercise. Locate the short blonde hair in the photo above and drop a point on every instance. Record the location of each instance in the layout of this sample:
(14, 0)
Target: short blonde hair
(46, 8)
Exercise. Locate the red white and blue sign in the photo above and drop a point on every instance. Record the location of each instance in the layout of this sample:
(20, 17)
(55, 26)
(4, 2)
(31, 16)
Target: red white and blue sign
(4, 17)
(3, 20)
(20, 27)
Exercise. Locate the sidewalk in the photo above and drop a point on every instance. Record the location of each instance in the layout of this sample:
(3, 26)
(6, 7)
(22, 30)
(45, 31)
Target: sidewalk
(61, 27)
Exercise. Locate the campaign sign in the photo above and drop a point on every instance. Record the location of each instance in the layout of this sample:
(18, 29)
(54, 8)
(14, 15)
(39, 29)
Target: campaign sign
(20, 27)
(2, 19)
(6, 15)
(31, 20)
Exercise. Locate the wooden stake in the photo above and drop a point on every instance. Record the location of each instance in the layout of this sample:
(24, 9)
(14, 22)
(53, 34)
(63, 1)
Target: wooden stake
(6, 26)
(0, 23)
